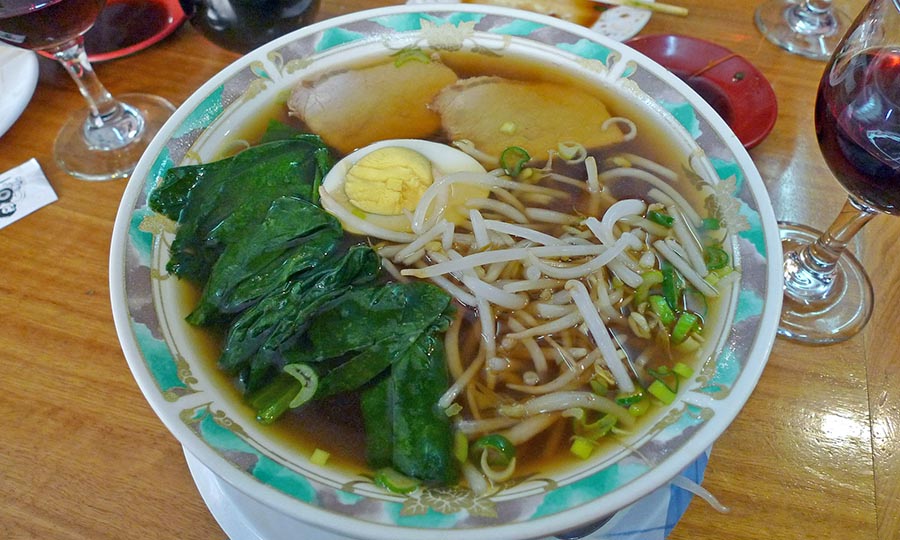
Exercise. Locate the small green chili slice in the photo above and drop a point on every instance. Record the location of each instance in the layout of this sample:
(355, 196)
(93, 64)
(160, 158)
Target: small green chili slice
(660, 306)
(501, 450)
(513, 160)
(687, 322)
(715, 257)
(660, 218)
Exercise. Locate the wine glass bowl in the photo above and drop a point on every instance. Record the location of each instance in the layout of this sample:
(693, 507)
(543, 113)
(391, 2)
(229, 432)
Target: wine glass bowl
(106, 139)
(125, 27)
(828, 296)
(810, 28)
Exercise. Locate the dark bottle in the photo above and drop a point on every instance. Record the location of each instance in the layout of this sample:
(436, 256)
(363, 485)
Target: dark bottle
(243, 25)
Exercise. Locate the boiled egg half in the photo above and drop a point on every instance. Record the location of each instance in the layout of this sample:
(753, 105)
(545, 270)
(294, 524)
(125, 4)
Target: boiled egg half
(382, 183)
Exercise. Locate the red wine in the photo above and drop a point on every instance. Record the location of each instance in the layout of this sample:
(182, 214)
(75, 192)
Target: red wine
(858, 126)
(33, 24)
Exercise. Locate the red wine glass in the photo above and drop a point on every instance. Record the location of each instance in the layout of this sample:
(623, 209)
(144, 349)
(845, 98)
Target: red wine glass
(104, 140)
(810, 28)
(828, 296)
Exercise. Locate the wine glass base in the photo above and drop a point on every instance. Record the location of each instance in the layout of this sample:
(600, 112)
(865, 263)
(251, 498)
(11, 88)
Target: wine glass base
(786, 24)
(77, 157)
(842, 313)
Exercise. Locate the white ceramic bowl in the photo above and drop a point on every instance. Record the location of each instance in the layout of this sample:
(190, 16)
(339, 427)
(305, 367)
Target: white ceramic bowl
(189, 399)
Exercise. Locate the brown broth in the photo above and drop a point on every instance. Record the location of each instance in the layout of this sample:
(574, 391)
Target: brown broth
(335, 425)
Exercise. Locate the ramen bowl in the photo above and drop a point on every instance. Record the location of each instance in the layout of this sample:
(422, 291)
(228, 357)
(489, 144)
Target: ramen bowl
(170, 360)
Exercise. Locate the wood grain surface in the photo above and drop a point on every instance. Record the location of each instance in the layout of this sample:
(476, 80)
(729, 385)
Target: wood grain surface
(814, 454)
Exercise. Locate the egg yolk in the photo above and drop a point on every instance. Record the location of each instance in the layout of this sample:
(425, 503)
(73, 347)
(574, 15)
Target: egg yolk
(388, 180)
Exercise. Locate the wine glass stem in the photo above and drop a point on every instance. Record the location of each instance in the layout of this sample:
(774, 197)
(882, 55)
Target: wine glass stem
(813, 17)
(809, 272)
(110, 124)
(818, 6)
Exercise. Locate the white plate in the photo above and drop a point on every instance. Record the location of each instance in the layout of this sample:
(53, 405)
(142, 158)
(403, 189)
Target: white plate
(244, 518)
(18, 77)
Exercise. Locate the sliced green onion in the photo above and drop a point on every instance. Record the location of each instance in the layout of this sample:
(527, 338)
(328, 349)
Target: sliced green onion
(413, 54)
(616, 162)
(513, 159)
(394, 481)
(639, 408)
(648, 280)
(460, 446)
(661, 392)
(715, 257)
(319, 457)
(665, 376)
(687, 323)
(453, 409)
(508, 128)
(673, 286)
(683, 370)
(689, 345)
(660, 218)
(717, 274)
(661, 307)
(500, 449)
(596, 429)
(599, 387)
(710, 224)
(309, 381)
(582, 447)
(627, 400)
(569, 151)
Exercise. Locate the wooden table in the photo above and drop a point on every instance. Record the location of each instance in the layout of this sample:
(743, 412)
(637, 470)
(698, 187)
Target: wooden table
(815, 453)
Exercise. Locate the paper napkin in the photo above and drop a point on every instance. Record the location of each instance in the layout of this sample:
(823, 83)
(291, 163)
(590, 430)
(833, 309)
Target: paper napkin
(23, 190)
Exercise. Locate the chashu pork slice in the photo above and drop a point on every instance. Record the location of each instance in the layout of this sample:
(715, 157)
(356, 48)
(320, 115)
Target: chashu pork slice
(351, 109)
(495, 113)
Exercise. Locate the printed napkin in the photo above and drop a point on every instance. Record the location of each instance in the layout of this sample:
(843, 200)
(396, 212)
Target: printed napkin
(23, 190)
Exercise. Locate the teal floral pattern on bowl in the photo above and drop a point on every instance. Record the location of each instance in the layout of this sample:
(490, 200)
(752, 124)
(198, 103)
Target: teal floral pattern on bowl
(205, 418)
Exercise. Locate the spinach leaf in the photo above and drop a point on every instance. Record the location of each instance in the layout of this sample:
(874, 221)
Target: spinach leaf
(216, 203)
(375, 404)
(294, 236)
(397, 312)
(389, 338)
(276, 321)
(421, 432)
